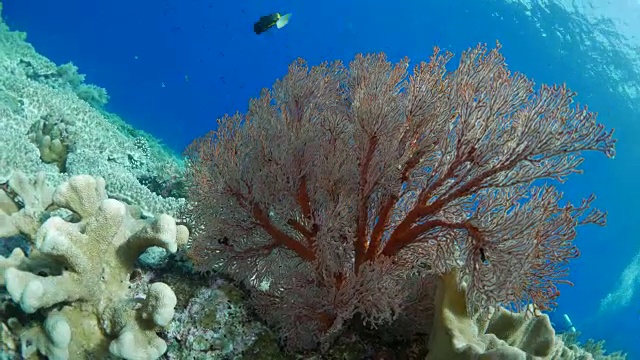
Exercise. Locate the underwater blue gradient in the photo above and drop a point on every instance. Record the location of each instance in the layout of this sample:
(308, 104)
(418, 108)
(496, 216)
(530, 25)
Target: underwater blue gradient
(172, 67)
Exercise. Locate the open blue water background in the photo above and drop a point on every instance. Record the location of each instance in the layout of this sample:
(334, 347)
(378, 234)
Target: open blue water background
(172, 67)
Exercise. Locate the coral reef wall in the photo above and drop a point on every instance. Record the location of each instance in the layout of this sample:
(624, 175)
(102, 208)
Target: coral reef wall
(51, 121)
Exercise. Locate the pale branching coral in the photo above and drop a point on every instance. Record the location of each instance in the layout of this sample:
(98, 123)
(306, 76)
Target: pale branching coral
(90, 302)
(22, 204)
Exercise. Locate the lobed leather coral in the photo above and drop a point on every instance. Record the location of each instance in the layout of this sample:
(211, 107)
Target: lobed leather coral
(496, 333)
(91, 309)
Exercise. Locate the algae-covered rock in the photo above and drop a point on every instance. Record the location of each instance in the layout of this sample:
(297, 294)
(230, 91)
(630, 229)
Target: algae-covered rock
(213, 325)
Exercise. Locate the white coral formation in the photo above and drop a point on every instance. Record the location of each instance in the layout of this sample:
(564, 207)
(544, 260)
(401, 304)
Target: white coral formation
(35, 197)
(90, 301)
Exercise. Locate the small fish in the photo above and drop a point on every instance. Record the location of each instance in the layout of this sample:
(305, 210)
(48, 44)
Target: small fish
(268, 21)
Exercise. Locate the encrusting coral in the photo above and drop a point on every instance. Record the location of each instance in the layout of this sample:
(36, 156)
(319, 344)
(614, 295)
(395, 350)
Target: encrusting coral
(91, 308)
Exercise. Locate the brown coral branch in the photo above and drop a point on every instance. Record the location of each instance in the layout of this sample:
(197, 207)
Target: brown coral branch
(303, 198)
(378, 230)
(413, 233)
(405, 233)
(363, 211)
(279, 236)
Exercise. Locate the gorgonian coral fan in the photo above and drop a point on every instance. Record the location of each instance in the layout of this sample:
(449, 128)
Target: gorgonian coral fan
(341, 181)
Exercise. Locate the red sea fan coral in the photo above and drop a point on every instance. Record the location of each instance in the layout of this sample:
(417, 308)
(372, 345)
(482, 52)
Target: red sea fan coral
(341, 181)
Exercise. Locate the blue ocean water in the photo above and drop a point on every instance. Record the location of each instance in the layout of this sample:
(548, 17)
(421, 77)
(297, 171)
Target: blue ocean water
(173, 67)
